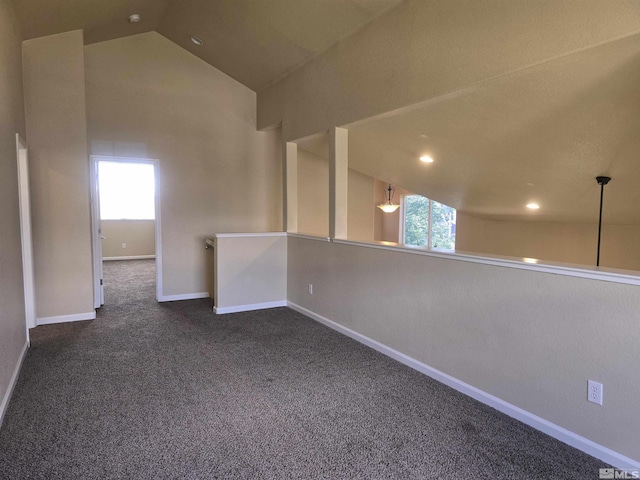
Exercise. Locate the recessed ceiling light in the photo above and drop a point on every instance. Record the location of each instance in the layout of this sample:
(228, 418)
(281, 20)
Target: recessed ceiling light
(196, 40)
(135, 18)
(426, 159)
(533, 206)
(530, 260)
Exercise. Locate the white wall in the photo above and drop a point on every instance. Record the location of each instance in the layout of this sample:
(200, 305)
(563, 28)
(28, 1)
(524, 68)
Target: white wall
(148, 97)
(12, 315)
(532, 339)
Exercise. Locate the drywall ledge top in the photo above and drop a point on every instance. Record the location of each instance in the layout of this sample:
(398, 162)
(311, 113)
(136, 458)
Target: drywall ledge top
(310, 237)
(582, 271)
(237, 235)
(629, 277)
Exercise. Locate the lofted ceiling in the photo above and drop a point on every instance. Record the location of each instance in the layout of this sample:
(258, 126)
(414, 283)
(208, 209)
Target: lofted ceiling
(255, 42)
(100, 19)
(541, 134)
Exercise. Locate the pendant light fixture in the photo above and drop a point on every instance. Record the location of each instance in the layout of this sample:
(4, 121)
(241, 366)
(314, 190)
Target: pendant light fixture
(388, 206)
(602, 181)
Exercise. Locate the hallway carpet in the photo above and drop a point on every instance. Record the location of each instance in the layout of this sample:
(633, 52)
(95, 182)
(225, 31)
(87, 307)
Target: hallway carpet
(167, 391)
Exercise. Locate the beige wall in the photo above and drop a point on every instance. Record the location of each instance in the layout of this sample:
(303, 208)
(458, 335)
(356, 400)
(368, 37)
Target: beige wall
(313, 194)
(56, 125)
(360, 207)
(12, 315)
(532, 339)
(250, 271)
(138, 235)
(313, 199)
(147, 97)
(421, 50)
(561, 242)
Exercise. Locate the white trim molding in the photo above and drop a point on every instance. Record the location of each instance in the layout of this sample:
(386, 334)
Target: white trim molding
(77, 317)
(249, 307)
(12, 383)
(570, 438)
(130, 257)
(183, 296)
(26, 233)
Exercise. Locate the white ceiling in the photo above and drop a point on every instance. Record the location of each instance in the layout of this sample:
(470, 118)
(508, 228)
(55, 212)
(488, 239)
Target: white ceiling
(254, 41)
(541, 135)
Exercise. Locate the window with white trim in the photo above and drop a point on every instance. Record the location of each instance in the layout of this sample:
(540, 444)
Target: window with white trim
(127, 191)
(427, 223)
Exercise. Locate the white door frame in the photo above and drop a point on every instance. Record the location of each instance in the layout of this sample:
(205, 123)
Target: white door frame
(98, 288)
(26, 235)
(96, 235)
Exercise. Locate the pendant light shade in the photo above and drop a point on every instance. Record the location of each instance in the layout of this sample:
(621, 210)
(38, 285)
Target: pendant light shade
(388, 206)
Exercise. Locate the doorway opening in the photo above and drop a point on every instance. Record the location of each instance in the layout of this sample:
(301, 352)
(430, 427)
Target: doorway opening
(125, 216)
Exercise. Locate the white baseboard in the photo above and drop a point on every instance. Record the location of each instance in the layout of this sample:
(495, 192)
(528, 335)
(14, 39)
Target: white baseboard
(249, 307)
(66, 318)
(12, 383)
(581, 443)
(184, 296)
(131, 257)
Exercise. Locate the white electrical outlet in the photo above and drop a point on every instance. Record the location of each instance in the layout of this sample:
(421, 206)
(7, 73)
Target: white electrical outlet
(311, 289)
(594, 392)
(124, 245)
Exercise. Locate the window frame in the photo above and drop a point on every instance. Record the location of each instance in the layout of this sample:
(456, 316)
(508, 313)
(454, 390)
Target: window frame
(129, 162)
(402, 219)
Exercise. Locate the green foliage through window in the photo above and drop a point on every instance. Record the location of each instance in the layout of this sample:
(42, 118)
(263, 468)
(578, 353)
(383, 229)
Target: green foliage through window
(417, 225)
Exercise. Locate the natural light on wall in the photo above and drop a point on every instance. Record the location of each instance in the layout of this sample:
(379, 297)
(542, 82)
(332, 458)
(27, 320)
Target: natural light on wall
(127, 191)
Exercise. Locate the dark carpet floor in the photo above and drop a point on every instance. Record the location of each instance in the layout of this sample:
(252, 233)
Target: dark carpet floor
(154, 391)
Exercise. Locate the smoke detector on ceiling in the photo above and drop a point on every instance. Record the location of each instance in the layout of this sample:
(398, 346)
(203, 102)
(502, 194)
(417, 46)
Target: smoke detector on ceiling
(135, 18)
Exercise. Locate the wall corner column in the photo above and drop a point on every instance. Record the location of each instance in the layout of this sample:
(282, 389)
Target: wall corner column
(290, 214)
(338, 181)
